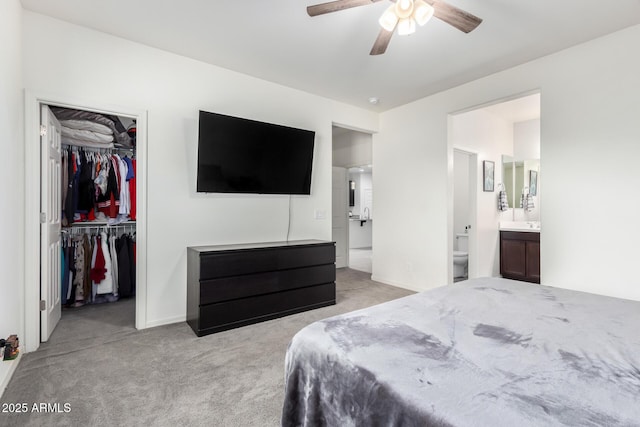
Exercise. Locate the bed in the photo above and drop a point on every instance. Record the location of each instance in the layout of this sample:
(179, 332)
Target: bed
(483, 352)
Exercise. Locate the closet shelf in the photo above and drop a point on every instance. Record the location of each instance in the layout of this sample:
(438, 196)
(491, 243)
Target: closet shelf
(98, 224)
(101, 148)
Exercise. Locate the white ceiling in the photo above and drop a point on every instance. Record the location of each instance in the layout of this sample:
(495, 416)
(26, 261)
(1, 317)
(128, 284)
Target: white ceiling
(328, 55)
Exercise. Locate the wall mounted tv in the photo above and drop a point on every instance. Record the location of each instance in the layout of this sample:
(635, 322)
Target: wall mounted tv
(238, 155)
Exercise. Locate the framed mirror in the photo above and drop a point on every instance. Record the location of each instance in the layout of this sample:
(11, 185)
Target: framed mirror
(518, 174)
(508, 178)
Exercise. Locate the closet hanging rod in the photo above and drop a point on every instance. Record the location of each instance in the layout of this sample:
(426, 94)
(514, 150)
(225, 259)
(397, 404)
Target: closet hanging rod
(74, 231)
(100, 149)
(92, 224)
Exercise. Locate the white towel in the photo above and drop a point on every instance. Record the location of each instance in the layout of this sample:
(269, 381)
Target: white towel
(503, 205)
(526, 202)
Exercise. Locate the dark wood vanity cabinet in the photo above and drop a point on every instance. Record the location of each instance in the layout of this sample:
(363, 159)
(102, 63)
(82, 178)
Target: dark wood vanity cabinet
(235, 285)
(520, 256)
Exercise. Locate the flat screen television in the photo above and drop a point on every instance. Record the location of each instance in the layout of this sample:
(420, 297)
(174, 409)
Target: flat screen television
(237, 155)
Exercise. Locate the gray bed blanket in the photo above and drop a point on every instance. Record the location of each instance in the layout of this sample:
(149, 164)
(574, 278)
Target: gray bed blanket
(484, 352)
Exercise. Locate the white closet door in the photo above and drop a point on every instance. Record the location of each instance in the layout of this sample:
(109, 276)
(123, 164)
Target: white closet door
(340, 216)
(50, 219)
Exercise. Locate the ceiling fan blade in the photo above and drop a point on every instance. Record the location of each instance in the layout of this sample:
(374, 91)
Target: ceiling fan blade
(334, 6)
(380, 46)
(464, 21)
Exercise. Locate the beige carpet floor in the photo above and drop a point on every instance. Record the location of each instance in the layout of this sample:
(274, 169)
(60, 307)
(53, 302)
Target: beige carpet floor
(109, 374)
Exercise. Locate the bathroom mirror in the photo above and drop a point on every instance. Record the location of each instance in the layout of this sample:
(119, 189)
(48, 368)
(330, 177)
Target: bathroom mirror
(508, 174)
(517, 175)
(361, 187)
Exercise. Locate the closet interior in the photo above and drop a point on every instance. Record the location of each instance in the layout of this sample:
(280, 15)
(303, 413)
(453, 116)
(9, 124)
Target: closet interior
(98, 190)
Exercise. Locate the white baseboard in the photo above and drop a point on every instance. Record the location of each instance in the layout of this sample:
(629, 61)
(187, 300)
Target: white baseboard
(7, 368)
(167, 321)
(396, 285)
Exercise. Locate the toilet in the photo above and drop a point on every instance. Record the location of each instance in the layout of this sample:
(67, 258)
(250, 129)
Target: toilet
(461, 257)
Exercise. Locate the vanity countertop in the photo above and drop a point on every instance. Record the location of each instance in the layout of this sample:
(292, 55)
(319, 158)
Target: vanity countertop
(522, 226)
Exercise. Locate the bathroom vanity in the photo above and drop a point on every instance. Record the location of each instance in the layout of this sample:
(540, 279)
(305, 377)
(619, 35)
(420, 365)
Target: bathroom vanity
(520, 253)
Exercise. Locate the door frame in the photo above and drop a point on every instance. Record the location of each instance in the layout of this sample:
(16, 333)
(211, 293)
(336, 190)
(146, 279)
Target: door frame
(347, 166)
(32, 102)
(472, 267)
(345, 213)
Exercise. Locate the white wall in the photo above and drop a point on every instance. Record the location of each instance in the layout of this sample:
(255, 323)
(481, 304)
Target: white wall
(352, 148)
(490, 137)
(461, 206)
(12, 178)
(85, 64)
(526, 140)
(589, 152)
(526, 148)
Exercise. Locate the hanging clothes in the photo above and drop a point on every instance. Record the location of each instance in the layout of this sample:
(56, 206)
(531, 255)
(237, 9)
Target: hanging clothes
(132, 188)
(97, 268)
(64, 161)
(88, 252)
(64, 279)
(69, 203)
(86, 187)
(108, 200)
(114, 264)
(78, 280)
(105, 286)
(126, 284)
(97, 185)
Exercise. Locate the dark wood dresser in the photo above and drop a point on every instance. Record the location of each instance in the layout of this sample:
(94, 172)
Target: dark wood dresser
(520, 256)
(230, 286)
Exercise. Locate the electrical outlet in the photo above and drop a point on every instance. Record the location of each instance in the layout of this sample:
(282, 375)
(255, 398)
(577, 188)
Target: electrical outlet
(409, 267)
(321, 214)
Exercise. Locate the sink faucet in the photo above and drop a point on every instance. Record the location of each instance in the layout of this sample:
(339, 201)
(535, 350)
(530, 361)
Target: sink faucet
(366, 213)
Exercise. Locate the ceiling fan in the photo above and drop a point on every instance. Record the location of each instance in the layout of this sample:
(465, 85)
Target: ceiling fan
(403, 16)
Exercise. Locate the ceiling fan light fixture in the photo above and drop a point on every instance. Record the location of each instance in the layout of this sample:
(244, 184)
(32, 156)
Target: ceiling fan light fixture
(422, 12)
(389, 19)
(406, 26)
(403, 16)
(404, 8)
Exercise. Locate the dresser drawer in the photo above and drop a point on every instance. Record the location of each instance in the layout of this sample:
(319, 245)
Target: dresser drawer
(218, 290)
(231, 314)
(232, 263)
(229, 286)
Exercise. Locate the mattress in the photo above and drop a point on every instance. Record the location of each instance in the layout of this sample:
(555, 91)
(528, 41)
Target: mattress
(483, 352)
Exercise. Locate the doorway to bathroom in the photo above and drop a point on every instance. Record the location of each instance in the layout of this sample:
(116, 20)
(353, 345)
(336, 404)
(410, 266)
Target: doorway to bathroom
(504, 135)
(464, 207)
(352, 195)
(361, 218)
